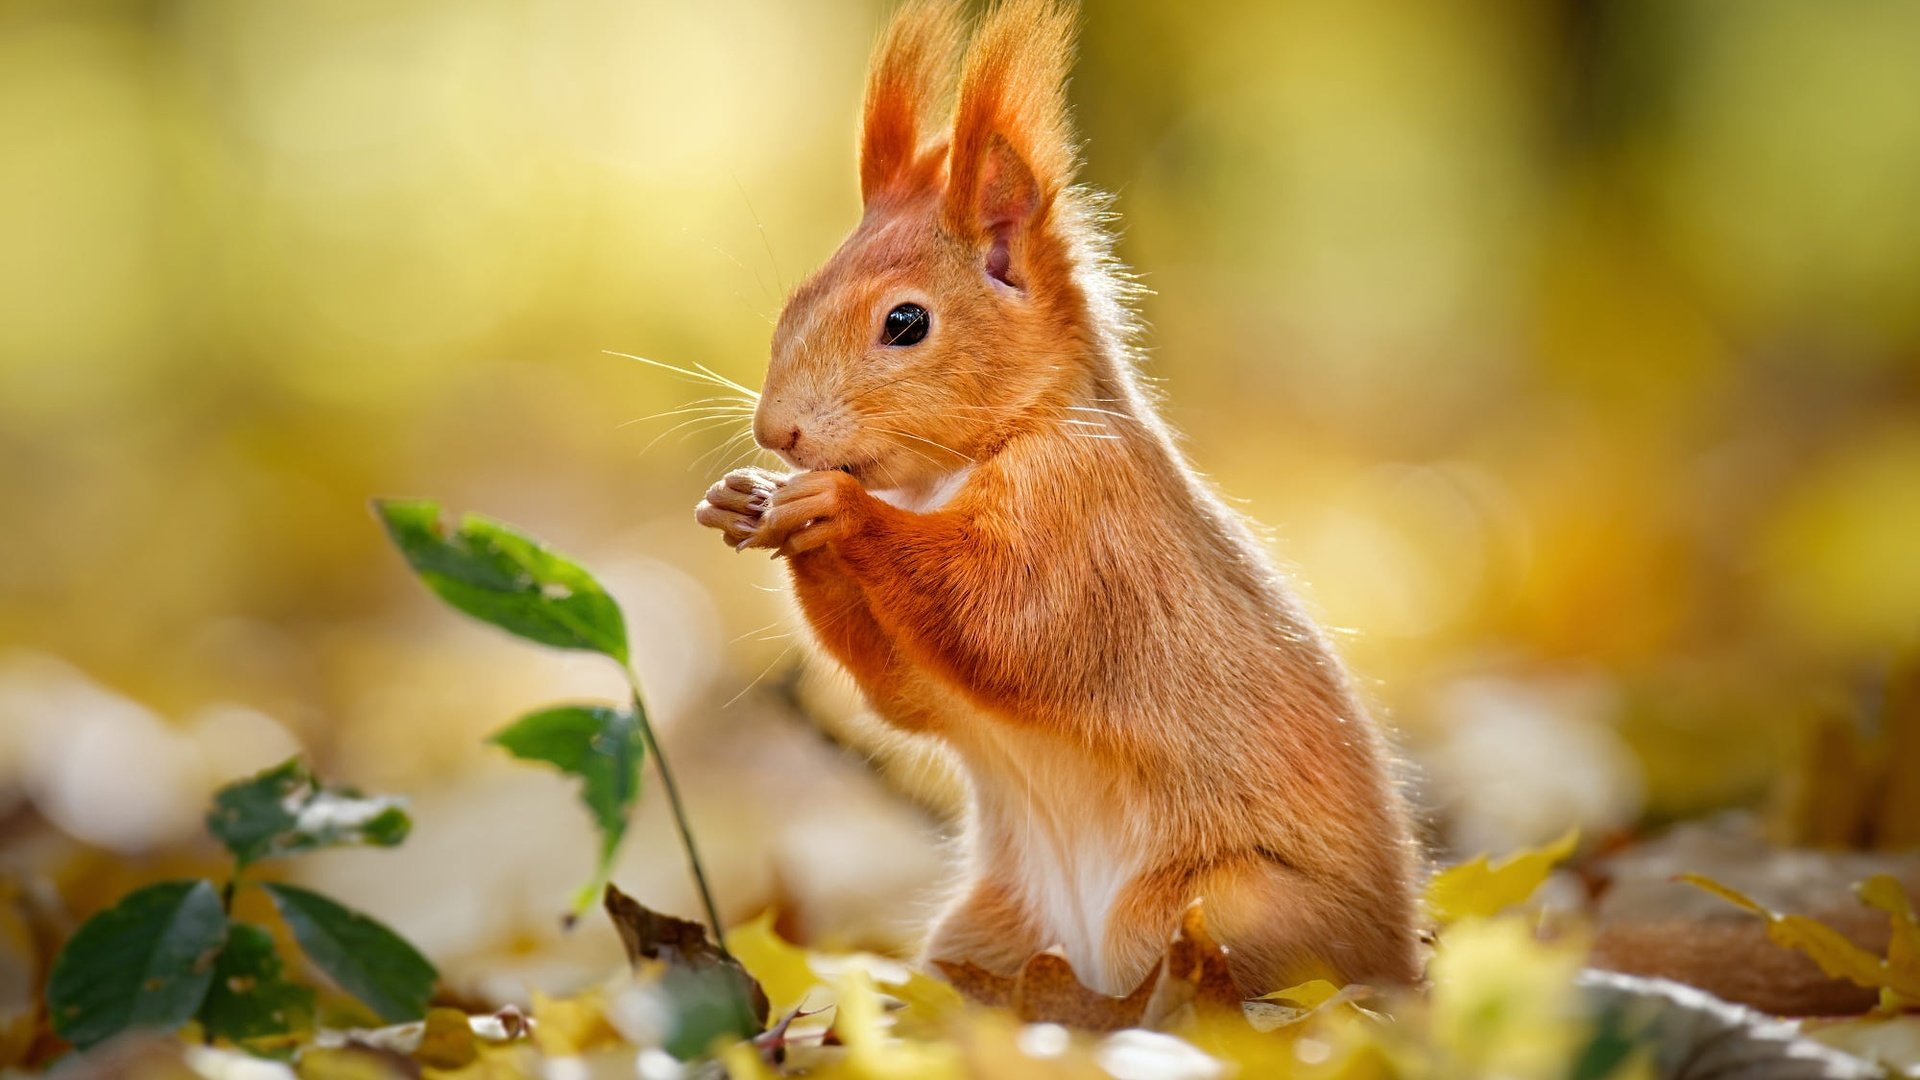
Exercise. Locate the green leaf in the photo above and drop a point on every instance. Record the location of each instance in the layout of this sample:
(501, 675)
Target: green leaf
(602, 746)
(706, 1006)
(499, 575)
(285, 810)
(368, 960)
(249, 1000)
(146, 962)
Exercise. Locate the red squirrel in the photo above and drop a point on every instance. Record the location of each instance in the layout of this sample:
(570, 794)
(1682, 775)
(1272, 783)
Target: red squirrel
(994, 532)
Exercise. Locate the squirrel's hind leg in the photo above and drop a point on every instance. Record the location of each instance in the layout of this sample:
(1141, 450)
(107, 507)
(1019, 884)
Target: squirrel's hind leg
(1285, 927)
(987, 926)
(1280, 926)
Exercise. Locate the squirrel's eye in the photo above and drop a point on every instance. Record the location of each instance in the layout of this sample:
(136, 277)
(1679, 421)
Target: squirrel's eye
(906, 325)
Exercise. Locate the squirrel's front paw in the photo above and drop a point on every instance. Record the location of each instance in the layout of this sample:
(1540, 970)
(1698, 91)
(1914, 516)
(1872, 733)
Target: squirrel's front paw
(807, 511)
(735, 504)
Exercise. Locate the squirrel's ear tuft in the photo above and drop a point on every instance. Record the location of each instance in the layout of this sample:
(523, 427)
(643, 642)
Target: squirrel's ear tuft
(1013, 146)
(908, 85)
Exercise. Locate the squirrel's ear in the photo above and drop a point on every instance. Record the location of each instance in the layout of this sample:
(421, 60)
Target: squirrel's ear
(908, 84)
(1012, 150)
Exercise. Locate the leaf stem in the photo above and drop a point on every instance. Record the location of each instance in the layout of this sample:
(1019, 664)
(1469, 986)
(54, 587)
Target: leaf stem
(679, 813)
(226, 908)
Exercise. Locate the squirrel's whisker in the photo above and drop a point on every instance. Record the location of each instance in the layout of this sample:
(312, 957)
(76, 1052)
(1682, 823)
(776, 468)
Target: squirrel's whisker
(705, 374)
(698, 423)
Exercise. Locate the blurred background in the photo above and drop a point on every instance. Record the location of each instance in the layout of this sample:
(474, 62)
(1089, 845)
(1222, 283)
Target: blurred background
(1570, 351)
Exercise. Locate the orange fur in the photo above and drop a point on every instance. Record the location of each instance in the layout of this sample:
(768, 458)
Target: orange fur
(911, 72)
(996, 535)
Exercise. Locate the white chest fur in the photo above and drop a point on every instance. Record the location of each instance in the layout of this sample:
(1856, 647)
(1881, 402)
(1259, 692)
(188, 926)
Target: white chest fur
(1072, 883)
(930, 497)
(1047, 823)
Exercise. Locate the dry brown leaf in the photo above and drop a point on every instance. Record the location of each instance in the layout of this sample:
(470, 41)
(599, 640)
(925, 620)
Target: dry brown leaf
(651, 936)
(1193, 974)
(1047, 991)
(977, 984)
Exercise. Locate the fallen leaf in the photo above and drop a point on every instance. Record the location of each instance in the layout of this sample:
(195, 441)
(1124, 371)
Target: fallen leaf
(742, 1062)
(1481, 887)
(1883, 893)
(649, 935)
(872, 1051)
(1047, 991)
(780, 967)
(977, 984)
(355, 1063)
(568, 1027)
(712, 998)
(1307, 995)
(1193, 973)
(1833, 951)
(1194, 976)
(447, 1042)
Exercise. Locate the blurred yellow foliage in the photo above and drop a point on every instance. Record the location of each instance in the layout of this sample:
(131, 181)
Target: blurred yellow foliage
(569, 1027)
(1503, 1002)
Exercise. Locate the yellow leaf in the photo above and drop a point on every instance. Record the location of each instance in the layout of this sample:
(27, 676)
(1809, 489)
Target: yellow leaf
(1836, 954)
(872, 1052)
(446, 1041)
(1308, 995)
(1903, 948)
(742, 1059)
(567, 1027)
(504, 1062)
(346, 1063)
(780, 966)
(1481, 887)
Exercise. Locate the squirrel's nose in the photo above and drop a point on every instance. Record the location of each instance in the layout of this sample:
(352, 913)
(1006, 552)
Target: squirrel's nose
(777, 437)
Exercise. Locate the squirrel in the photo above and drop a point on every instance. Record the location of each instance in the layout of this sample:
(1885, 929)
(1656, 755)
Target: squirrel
(994, 532)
